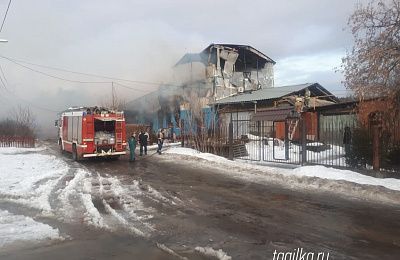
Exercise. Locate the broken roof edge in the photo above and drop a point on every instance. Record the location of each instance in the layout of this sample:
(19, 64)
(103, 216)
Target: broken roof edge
(202, 56)
(192, 57)
(237, 46)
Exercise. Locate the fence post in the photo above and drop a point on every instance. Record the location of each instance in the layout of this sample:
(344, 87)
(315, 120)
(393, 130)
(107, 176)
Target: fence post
(303, 142)
(182, 133)
(230, 138)
(172, 133)
(151, 133)
(376, 165)
(286, 140)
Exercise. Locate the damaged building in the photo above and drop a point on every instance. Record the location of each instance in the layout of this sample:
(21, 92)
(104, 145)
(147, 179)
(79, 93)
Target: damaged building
(201, 80)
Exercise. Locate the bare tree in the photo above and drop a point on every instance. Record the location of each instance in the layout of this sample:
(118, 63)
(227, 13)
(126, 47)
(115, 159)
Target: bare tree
(20, 122)
(372, 66)
(114, 101)
(203, 129)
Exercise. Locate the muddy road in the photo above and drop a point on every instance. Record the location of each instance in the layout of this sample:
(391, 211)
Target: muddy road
(251, 221)
(191, 209)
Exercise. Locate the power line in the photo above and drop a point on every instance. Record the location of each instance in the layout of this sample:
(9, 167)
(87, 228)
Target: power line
(8, 7)
(148, 91)
(23, 100)
(80, 73)
(49, 75)
(4, 76)
(18, 62)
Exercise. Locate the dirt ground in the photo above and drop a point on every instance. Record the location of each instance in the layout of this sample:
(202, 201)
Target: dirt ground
(202, 207)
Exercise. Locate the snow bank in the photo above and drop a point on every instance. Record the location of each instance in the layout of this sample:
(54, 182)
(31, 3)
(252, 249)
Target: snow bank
(208, 251)
(28, 178)
(21, 228)
(346, 175)
(197, 154)
(15, 150)
(321, 178)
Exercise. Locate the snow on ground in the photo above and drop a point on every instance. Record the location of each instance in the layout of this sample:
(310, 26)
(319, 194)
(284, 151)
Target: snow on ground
(310, 171)
(27, 178)
(345, 182)
(21, 228)
(46, 186)
(346, 175)
(270, 152)
(208, 251)
(31, 178)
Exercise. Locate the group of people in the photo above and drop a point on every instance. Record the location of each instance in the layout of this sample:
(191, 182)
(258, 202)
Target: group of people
(143, 141)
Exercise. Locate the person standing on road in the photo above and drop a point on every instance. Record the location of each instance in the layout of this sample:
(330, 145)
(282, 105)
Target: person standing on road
(160, 140)
(132, 147)
(143, 138)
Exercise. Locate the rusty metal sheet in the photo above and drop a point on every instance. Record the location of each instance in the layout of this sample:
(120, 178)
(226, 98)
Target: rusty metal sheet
(280, 114)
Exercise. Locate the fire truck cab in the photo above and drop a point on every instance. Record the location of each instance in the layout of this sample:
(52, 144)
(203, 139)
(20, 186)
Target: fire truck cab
(92, 132)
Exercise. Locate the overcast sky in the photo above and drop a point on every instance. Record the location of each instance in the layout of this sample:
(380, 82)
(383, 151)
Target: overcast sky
(141, 40)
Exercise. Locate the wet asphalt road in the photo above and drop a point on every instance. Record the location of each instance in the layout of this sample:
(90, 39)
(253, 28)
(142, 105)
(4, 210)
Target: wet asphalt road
(244, 219)
(252, 221)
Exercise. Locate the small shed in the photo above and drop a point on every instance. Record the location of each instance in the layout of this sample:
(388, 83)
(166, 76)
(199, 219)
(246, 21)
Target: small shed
(278, 105)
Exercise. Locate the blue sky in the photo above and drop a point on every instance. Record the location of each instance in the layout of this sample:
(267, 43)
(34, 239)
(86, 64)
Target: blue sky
(141, 40)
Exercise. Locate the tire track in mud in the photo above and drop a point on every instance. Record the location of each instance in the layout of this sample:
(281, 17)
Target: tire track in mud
(82, 202)
(118, 202)
(98, 198)
(190, 205)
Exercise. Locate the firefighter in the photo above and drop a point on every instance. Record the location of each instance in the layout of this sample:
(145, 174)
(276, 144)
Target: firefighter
(160, 140)
(132, 147)
(299, 104)
(307, 97)
(143, 138)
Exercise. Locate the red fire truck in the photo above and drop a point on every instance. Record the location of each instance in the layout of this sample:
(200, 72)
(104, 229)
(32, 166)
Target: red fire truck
(92, 132)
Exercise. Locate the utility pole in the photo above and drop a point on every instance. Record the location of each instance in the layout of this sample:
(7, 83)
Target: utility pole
(112, 95)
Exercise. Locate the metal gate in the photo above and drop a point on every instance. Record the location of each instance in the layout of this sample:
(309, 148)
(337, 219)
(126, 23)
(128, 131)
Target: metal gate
(269, 141)
(337, 141)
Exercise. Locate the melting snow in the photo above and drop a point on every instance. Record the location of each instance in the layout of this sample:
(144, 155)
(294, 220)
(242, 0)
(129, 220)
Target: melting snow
(30, 177)
(21, 228)
(219, 254)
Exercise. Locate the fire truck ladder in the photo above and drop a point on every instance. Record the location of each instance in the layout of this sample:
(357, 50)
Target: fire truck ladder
(118, 130)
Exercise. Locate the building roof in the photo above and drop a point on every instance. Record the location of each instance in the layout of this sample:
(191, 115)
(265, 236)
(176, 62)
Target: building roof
(276, 114)
(248, 56)
(276, 93)
(239, 48)
(193, 57)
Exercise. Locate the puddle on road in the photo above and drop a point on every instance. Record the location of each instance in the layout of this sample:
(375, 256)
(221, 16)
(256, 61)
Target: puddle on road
(281, 196)
(115, 205)
(67, 179)
(98, 204)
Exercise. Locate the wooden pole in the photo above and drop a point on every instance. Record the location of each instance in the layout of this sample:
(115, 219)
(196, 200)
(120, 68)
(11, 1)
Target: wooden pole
(376, 163)
(230, 138)
(172, 133)
(182, 133)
